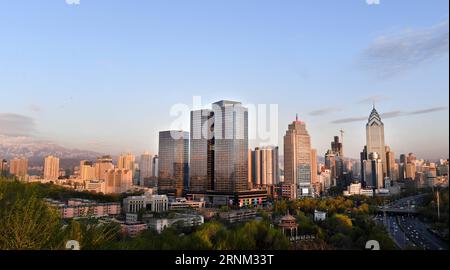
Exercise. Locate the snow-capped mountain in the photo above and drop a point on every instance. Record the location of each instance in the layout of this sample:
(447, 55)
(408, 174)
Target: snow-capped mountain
(11, 147)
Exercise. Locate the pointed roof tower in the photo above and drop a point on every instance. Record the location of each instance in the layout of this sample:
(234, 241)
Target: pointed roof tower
(374, 118)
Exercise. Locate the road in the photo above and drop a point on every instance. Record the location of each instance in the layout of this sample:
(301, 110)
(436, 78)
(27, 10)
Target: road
(418, 232)
(395, 232)
(408, 231)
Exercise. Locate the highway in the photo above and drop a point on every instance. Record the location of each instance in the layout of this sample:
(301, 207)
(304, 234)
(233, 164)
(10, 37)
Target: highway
(398, 235)
(407, 231)
(418, 232)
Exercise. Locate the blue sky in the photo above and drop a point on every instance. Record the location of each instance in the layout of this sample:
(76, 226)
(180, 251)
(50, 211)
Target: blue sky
(103, 75)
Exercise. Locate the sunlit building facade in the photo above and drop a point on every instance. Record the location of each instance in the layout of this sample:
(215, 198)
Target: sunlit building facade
(19, 168)
(145, 167)
(230, 146)
(201, 169)
(173, 162)
(102, 165)
(375, 141)
(297, 158)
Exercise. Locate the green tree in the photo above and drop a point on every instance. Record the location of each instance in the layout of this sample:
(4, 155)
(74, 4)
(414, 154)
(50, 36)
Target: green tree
(26, 222)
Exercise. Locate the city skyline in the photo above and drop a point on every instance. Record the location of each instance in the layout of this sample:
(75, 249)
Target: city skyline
(115, 95)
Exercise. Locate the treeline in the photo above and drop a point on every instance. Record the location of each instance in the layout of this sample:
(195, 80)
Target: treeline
(349, 224)
(28, 223)
(429, 209)
(253, 235)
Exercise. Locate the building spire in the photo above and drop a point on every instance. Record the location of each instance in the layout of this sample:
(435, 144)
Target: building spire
(296, 117)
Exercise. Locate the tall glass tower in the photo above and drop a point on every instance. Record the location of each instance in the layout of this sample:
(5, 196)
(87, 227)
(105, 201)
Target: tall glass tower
(173, 162)
(201, 173)
(230, 147)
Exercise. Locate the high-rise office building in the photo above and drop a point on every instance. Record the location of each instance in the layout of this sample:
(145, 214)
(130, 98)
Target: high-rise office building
(220, 161)
(276, 165)
(173, 167)
(19, 168)
(102, 165)
(145, 167)
(336, 146)
(390, 163)
(155, 166)
(297, 158)
(3, 167)
(331, 165)
(410, 171)
(201, 170)
(51, 168)
(374, 171)
(314, 171)
(230, 147)
(337, 149)
(375, 138)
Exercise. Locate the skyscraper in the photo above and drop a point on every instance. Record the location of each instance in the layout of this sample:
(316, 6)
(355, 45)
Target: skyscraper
(145, 167)
(390, 163)
(19, 168)
(297, 158)
(336, 146)
(331, 164)
(201, 171)
(374, 171)
(410, 171)
(173, 160)
(51, 168)
(3, 167)
(314, 170)
(155, 166)
(375, 137)
(337, 149)
(264, 168)
(220, 170)
(230, 146)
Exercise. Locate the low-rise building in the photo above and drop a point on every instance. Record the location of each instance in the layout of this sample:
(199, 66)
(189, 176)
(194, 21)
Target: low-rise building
(182, 203)
(77, 208)
(158, 225)
(185, 220)
(134, 204)
(133, 229)
(288, 191)
(150, 202)
(238, 215)
(356, 189)
(157, 203)
(97, 186)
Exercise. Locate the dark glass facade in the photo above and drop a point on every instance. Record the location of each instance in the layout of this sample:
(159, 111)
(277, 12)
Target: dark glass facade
(173, 162)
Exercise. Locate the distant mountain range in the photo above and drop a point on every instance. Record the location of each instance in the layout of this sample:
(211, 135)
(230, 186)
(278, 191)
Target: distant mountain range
(36, 150)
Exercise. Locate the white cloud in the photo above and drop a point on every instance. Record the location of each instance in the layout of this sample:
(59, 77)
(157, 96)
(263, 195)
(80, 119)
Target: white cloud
(391, 55)
(373, 2)
(73, 2)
